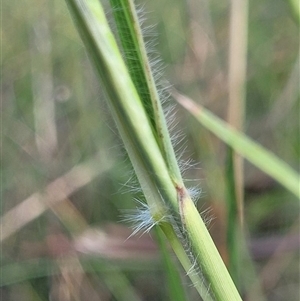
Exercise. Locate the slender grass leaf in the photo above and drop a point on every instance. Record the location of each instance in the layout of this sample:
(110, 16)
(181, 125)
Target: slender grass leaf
(255, 153)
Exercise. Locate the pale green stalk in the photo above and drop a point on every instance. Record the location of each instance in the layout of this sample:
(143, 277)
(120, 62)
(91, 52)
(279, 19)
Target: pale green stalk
(207, 254)
(186, 261)
(175, 288)
(235, 116)
(149, 161)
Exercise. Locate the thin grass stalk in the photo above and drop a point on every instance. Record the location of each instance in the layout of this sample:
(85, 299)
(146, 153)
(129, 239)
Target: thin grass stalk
(148, 161)
(233, 227)
(175, 288)
(42, 85)
(237, 89)
(239, 257)
(236, 114)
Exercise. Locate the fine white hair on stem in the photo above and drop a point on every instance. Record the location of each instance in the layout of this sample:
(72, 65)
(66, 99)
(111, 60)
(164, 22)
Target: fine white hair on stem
(192, 267)
(163, 86)
(129, 182)
(143, 218)
(195, 193)
(209, 292)
(131, 185)
(140, 218)
(196, 270)
(188, 164)
(207, 216)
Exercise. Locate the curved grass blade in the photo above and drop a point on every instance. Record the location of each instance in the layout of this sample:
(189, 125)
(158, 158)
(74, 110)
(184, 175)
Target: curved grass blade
(253, 152)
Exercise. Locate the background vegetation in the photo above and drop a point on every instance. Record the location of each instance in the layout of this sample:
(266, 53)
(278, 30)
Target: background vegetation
(59, 143)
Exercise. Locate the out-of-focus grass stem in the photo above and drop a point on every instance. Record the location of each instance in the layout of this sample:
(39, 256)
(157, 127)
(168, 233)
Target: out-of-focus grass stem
(42, 85)
(236, 111)
(237, 88)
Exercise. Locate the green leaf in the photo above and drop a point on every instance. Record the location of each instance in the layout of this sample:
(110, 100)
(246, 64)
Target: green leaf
(250, 150)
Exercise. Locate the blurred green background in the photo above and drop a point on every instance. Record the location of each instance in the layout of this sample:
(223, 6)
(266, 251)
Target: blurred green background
(60, 143)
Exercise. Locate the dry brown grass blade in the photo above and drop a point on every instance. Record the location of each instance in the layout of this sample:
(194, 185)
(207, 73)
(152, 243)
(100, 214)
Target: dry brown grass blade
(57, 191)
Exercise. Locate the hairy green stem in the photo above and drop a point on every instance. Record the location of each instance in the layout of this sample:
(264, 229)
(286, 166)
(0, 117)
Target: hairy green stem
(161, 185)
